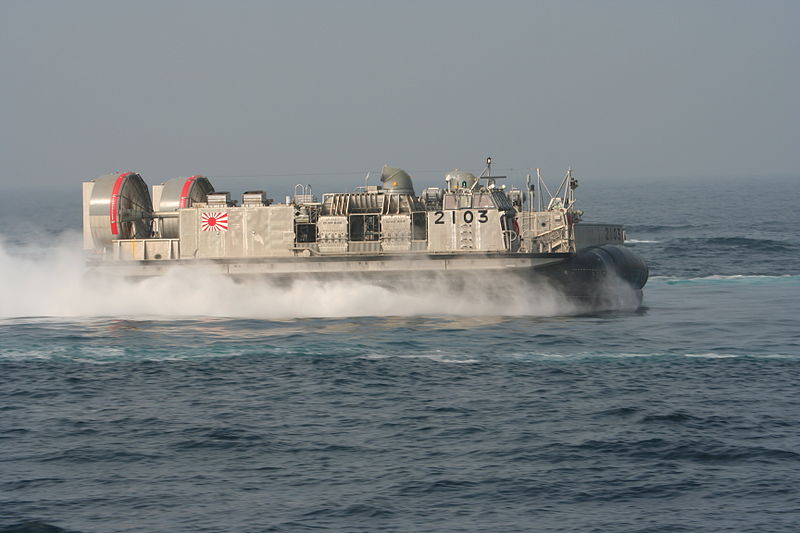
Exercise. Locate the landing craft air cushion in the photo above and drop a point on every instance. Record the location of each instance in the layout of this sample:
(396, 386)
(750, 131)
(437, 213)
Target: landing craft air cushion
(471, 227)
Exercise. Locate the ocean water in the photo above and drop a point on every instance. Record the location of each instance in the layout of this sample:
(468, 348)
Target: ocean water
(193, 404)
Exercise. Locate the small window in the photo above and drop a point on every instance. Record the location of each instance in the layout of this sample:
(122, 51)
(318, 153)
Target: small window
(419, 226)
(364, 228)
(306, 232)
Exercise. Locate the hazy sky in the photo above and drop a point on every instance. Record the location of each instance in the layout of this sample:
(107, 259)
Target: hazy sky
(621, 89)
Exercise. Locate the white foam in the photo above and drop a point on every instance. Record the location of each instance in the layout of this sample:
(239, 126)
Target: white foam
(743, 276)
(54, 282)
(712, 355)
(589, 355)
(732, 277)
(437, 357)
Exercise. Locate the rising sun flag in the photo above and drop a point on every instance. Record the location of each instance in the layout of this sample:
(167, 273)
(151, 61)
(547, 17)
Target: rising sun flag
(214, 221)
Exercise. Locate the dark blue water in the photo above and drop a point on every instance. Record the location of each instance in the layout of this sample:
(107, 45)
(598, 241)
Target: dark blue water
(168, 407)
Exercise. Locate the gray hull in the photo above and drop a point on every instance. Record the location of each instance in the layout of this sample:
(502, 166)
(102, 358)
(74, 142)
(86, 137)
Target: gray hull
(595, 275)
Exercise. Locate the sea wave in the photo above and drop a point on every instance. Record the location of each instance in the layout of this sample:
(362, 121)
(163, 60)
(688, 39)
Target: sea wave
(659, 228)
(238, 349)
(730, 278)
(734, 244)
(436, 357)
(655, 354)
(34, 526)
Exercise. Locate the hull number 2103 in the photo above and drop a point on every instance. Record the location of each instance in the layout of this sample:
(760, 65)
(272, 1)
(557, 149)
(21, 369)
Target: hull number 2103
(468, 216)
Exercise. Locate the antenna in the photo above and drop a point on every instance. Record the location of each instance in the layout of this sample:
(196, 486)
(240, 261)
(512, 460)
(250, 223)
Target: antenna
(539, 184)
(490, 181)
(531, 192)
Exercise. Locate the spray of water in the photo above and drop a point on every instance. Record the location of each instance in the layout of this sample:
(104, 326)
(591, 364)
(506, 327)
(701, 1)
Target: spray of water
(54, 282)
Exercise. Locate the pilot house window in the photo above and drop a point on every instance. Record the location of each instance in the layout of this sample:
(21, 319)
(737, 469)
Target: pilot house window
(364, 228)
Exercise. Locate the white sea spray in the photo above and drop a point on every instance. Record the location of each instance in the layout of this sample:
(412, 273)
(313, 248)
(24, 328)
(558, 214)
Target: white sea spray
(54, 281)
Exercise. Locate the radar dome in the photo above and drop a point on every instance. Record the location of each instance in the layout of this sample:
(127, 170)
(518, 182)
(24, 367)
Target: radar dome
(460, 179)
